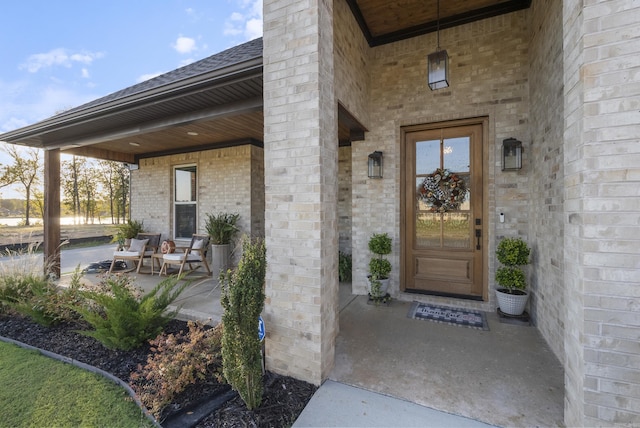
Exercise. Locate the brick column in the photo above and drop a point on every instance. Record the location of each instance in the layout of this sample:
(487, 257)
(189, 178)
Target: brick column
(602, 237)
(301, 159)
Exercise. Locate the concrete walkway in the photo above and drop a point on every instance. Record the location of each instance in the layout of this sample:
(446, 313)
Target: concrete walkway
(338, 405)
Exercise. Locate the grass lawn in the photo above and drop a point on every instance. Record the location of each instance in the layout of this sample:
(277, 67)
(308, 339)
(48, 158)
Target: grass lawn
(38, 391)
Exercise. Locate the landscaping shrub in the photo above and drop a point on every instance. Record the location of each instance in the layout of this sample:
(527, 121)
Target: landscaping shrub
(120, 319)
(344, 267)
(176, 362)
(36, 296)
(243, 300)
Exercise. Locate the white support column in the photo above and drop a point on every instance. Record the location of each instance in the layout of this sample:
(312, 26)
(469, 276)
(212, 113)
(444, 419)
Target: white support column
(301, 173)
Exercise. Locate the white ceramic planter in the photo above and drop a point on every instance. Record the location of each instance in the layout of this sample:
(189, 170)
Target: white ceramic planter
(512, 304)
(384, 287)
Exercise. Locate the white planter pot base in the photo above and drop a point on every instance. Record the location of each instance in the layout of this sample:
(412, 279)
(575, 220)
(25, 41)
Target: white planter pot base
(512, 304)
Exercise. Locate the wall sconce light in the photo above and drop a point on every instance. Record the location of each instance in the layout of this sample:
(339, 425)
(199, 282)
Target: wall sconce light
(375, 165)
(511, 154)
(438, 63)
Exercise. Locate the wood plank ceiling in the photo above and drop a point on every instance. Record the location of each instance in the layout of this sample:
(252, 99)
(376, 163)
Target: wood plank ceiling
(384, 21)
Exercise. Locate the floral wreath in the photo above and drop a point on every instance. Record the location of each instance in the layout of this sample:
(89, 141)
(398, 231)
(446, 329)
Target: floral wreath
(443, 190)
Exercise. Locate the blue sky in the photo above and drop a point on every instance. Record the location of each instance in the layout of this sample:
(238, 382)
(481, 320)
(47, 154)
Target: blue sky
(58, 54)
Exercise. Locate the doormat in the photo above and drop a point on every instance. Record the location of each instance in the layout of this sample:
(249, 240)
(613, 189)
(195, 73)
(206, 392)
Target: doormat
(453, 316)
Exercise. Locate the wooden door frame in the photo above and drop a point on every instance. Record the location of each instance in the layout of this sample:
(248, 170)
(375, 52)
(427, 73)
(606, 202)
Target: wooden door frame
(404, 130)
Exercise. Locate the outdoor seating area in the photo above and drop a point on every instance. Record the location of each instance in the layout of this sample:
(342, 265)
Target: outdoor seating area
(193, 256)
(144, 245)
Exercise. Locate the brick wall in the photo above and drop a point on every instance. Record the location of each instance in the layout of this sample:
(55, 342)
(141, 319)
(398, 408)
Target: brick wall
(225, 180)
(546, 170)
(344, 199)
(352, 73)
(602, 236)
(301, 158)
(489, 77)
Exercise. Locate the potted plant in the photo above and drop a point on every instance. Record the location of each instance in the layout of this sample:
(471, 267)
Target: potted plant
(379, 266)
(125, 232)
(221, 229)
(512, 253)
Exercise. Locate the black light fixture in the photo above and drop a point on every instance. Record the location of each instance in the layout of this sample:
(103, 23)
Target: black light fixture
(375, 165)
(438, 63)
(511, 154)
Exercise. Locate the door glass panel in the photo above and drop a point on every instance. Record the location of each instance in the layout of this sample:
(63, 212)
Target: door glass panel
(452, 228)
(455, 230)
(456, 154)
(428, 229)
(427, 156)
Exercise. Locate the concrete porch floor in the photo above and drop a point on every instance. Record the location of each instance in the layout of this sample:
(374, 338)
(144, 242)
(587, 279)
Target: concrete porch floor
(506, 376)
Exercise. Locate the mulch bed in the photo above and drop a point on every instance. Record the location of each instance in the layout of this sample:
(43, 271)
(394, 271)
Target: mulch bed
(283, 400)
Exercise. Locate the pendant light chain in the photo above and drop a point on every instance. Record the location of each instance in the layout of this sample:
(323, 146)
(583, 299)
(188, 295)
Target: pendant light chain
(438, 25)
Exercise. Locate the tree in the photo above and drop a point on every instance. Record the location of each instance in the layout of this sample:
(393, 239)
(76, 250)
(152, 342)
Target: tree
(25, 170)
(70, 184)
(115, 181)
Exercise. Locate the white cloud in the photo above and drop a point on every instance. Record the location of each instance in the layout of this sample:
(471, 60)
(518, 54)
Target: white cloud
(148, 76)
(246, 22)
(253, 29)
(184, 45)
(85, 73)
(34, 103)
(58, 57)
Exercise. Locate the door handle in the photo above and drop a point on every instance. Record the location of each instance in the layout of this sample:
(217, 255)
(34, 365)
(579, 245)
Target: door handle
(478, 236)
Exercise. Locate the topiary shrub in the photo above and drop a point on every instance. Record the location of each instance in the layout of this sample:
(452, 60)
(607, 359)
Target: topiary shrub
(243, 300)
(512, 253)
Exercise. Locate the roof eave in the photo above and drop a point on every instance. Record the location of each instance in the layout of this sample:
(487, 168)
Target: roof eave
(227, 75)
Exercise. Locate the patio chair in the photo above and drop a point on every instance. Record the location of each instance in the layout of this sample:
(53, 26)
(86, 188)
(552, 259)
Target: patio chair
(152, 247)
(144, 245)
(195, 256)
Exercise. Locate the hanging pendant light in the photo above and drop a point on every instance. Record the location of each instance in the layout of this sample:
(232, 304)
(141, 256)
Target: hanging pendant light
(438, 63)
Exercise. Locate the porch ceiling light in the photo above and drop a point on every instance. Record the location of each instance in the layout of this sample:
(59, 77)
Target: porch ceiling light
(511, 154)
(134, 144)
(375, 165)
(438, 63)
(193, 134)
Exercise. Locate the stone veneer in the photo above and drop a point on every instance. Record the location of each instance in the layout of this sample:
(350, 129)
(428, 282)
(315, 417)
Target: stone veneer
(229, 180)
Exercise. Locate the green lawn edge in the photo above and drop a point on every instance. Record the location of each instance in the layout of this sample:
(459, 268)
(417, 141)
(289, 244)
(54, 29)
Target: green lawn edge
(38, 391)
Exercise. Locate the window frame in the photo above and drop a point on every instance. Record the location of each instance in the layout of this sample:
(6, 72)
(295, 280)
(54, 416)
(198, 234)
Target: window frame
(177, 204)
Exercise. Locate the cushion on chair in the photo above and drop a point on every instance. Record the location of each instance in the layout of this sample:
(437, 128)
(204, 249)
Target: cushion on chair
(197, 246)
(137, 245)
(122, 254)
(176, 257)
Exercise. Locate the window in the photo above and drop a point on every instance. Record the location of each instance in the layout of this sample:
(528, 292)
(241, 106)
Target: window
(185, 201)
